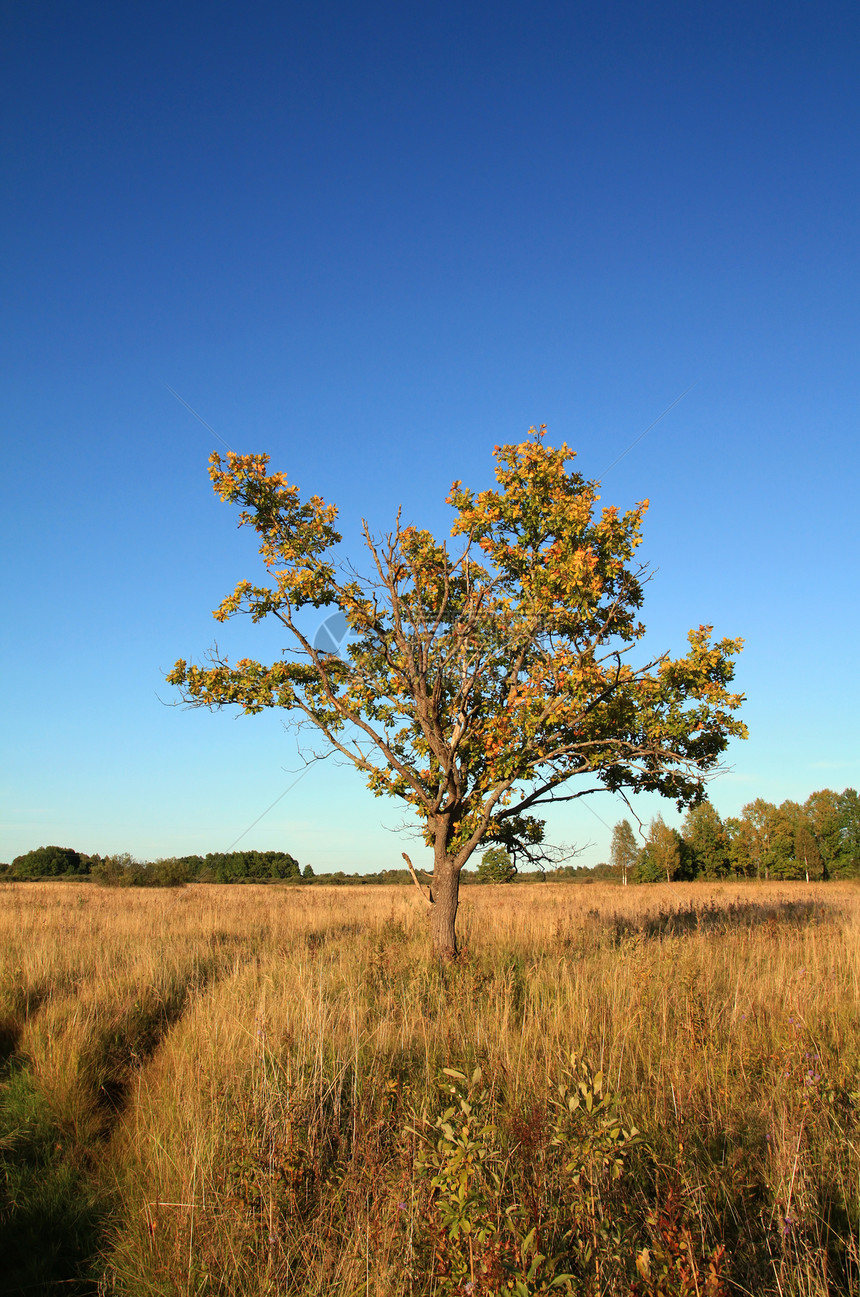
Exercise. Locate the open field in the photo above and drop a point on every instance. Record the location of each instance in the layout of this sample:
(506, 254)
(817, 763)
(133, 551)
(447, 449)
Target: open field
(240, 1090)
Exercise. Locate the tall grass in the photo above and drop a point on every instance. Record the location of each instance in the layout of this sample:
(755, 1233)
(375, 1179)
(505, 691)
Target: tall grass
(244, 1090)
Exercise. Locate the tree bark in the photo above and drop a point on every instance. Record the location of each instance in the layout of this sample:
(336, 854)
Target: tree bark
(443, 915)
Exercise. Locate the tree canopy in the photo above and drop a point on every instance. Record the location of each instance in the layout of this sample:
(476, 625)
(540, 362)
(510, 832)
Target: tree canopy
(481, 681)
(48, 862)
(814, 841)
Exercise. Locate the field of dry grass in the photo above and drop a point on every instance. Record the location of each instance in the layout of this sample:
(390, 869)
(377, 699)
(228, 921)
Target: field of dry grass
(649, 1091)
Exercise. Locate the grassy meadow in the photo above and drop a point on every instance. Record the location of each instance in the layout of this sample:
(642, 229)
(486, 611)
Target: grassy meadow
(642, 1091)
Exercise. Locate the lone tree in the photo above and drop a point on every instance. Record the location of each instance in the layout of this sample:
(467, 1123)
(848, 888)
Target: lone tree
(496, 866)
(479, 681)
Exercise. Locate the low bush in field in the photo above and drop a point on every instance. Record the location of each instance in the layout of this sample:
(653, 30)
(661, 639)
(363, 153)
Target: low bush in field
(125, 871)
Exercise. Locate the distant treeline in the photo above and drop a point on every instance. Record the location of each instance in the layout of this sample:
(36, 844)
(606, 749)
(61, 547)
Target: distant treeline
(816, 840)
(124, 871)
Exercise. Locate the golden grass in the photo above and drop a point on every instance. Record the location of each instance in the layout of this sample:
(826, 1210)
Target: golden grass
(244, 1073)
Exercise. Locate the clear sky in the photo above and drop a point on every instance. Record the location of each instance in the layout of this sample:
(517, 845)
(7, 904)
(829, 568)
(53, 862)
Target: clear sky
(373, 240)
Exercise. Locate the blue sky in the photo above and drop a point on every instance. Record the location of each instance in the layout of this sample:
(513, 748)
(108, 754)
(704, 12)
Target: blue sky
(373, 241)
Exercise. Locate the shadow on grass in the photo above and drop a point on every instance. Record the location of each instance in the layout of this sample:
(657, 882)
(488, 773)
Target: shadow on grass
(25, 1002)
(50, 1215)
(53, 1215)
(123, 1046)
(319, 937)
(52, 1212)
(712, 917)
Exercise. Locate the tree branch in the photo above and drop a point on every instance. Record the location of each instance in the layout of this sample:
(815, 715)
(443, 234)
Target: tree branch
(429, 897)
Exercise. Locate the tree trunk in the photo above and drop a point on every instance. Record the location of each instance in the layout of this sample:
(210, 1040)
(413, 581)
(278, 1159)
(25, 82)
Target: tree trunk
(443, 915)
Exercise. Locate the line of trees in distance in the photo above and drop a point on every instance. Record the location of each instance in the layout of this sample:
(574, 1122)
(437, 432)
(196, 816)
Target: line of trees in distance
(123, 870)
(816, 840)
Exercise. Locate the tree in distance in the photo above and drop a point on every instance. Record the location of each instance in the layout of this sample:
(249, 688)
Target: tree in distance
(496, 866)
(806, 852)
(708, 841)
(48, 862)
(624, 853)
(662, 854)
(480, 682)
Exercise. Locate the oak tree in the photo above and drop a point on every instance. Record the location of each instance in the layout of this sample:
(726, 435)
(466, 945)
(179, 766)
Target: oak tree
(484, 679)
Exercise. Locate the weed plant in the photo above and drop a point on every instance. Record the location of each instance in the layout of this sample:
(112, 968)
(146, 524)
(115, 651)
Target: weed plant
(650, 1092)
